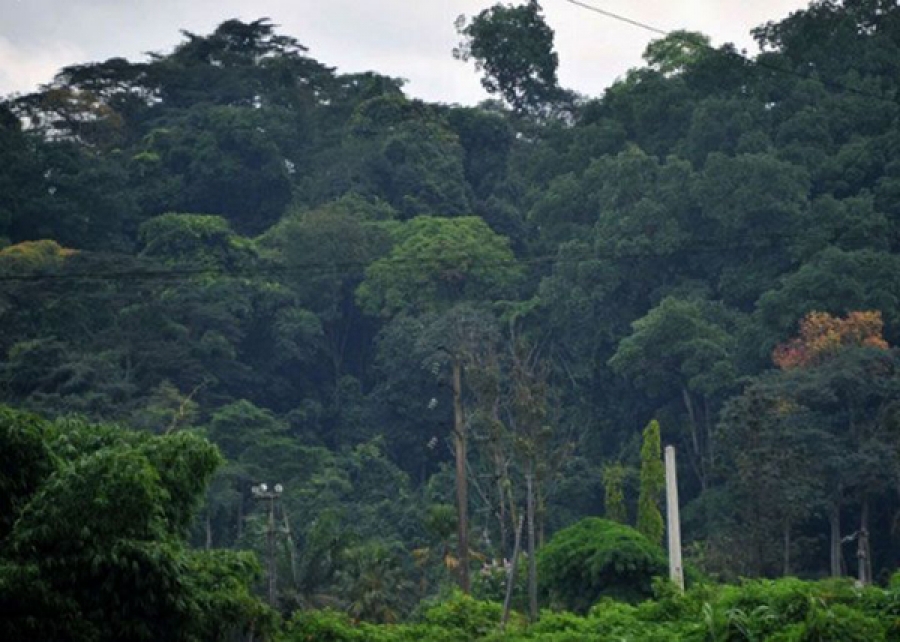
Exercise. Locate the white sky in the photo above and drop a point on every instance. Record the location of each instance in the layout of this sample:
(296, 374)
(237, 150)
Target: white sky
(410, 39)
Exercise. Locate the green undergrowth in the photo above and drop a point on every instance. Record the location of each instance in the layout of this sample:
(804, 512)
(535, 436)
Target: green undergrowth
(786, 610)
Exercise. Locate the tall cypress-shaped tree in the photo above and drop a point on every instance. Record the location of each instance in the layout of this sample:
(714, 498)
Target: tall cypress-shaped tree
(653, 480)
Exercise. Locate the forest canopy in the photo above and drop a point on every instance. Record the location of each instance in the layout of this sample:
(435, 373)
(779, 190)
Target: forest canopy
(230, 264)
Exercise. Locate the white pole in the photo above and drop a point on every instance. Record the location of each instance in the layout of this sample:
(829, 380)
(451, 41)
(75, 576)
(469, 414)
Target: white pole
(676, 571)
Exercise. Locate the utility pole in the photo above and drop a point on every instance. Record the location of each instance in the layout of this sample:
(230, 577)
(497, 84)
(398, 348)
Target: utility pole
(532, 561)
(676, 571)
(263, 493)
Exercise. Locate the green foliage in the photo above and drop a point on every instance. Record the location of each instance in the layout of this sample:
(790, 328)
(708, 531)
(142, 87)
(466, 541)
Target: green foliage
(614, 494)
(200, 240)
(231, 236)
(676, 52)
(596, 558)
(783, 610)
(436, 262)
(652, 484)
(25, 462)
(513, 45)
(463, 616)
(95, 553)
(674, 343)
(404, 152)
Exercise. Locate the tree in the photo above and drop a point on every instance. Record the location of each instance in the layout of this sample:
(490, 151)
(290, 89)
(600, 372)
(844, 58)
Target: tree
(653, 482)
(406, 154)
(437, 262)
(596, 558)
(779, 454)
(216, 160)
(513, 45)
(614, 498)
(339, 241)
(97, 550)
(822, 336)
(844, 369)
(373, 583)
(27, 462)
(676, 52)
(836, 282)
(678, 350)
(436, 266)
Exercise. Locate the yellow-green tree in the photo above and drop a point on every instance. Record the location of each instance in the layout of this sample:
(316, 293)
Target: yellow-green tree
(653, 481)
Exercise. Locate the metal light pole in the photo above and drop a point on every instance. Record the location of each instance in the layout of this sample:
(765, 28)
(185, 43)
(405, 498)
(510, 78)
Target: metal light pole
(263, 492)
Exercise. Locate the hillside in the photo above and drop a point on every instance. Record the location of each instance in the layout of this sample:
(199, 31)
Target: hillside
(401, 311)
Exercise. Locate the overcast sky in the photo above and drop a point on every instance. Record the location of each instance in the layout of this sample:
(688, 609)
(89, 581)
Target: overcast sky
(410, 39)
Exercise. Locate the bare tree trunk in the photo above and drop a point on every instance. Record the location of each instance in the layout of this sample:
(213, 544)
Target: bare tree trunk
(240, 513)
(271, 563)
(709, 448)
(501, 517)
(292, 548)
(863, 551)
(532, 561)
(511, 578)
(209, 537)
(835, 522)
(695, 436)
(510, 500)
(541, 514)
(462, 488)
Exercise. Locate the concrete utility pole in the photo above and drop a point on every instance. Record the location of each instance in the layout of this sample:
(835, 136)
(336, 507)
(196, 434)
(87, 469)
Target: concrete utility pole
(264, 493)
(673, 520)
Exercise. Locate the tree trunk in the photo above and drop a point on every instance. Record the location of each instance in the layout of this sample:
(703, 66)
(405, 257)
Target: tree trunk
(462, 489)
(695, 436)
(709, 446)
(863, 551)
(541, 514)
(835, 521)
(501, 517)
(209, 536)
(240, 513)
(511, 578)
(292, 548)
(532, 561)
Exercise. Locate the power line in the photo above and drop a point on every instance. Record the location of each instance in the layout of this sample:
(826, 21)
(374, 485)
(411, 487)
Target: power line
(708, 47)
(621, 18)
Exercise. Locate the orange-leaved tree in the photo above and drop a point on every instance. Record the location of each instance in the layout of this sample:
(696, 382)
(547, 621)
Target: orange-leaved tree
(823, 335)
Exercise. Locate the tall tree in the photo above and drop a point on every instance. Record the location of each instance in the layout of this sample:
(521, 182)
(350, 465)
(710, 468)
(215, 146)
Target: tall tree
(435, 268)
(652, 483)
(513, 45)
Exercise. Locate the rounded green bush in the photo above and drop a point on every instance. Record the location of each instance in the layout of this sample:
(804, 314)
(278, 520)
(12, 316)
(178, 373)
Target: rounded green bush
(597, 558)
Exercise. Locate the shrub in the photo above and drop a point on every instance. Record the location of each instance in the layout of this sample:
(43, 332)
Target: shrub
(597, 558)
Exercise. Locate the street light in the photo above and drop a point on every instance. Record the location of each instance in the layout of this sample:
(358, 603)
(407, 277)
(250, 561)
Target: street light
(262, 492)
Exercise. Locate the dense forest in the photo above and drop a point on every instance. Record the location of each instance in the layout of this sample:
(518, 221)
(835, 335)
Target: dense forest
(440, 329)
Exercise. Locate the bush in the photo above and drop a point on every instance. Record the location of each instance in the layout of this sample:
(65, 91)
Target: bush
(786, 610)
(322, 626)
(598, 558)
(464, 614)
